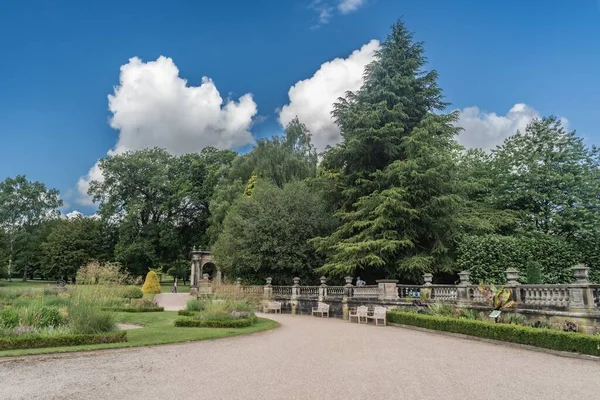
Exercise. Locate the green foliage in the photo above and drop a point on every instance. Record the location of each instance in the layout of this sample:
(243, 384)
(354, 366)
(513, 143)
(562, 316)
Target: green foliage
(440, 309)
(9, 318)
(187, 313)
(151, 284)
(487, 257)
(33, 341)
(133, 292)
(87, 318)
(267, 234)
(469, 313)
(497, 298)
(514, 318)
(180, 269)
(217, 323)
(194, 305)
(251, 185)
(97, 273)
(545, 338)
(134, 309)
(72, 243)
(37, 315)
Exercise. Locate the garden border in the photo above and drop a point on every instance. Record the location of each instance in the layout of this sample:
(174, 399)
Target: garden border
(38, 342)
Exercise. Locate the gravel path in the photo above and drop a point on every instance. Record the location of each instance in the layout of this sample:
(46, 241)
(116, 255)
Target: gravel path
(306, 358)
(172, 301)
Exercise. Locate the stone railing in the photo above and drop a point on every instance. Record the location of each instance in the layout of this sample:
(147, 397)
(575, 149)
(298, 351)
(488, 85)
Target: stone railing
(545, 295)
(366, 292)
(444, 293)
(580, 299)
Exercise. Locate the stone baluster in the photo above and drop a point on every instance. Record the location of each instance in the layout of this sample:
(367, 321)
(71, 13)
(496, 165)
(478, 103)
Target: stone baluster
(581, 296)
(295, 294)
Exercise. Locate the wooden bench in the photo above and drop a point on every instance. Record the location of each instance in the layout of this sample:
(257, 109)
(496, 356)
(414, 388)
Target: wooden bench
(272, 306)
(361, 313)
(379, 314)
(322, 309)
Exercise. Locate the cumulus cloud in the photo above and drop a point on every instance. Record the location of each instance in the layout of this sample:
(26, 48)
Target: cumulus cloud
(154, 107)
(348, 6)
(312, 99)
(486, 130)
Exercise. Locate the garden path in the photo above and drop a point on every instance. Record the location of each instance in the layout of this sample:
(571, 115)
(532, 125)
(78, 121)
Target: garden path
(172, 301)
(306, 358)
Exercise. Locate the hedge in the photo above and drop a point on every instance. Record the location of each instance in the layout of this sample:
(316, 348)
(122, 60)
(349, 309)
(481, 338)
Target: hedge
(133, 309)
(187, 313)
(33, 341)
(538, 337)
(215, 323)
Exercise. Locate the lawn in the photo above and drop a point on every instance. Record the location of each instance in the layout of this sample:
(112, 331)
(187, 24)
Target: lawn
(158, 329)
(18, 283)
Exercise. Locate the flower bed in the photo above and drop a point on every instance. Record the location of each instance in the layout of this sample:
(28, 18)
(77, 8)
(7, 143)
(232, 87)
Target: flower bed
(538, 337)
(134, 309)
(216, 323)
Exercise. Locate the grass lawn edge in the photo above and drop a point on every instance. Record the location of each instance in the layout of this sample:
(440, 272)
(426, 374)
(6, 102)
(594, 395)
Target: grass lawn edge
(263, 324)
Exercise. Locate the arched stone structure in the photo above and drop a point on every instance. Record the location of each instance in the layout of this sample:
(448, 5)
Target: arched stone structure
(200, 258)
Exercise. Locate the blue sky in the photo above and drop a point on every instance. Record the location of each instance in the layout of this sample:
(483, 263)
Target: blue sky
(513, 60)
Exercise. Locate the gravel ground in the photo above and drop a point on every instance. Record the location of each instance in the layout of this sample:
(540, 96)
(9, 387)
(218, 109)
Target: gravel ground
(306, 358)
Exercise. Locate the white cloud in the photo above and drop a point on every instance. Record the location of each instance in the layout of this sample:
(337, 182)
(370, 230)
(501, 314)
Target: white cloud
(312, 99)
(348, 6)
(154, 107)
(73, 214)
(487, 130)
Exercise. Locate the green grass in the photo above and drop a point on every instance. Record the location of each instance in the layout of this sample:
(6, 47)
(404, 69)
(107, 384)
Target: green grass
(167, 286)
(158, 329)
(17, 283)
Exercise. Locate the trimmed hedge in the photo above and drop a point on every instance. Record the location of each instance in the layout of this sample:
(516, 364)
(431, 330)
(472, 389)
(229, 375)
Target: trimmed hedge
(538, 337)
(36, 341)
(187, 313)
(133, 309)
(215, 323)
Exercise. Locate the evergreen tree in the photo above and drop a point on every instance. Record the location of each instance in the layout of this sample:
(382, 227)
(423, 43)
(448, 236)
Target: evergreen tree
(397, 168)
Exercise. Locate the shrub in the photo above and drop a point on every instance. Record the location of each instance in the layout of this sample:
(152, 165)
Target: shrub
(151, 285)
(134, 309)
(40, 316)
(133, 292)
(9, 318)
(545, 338)
(85, 318)
(187, 313)
(33, 341)
(514, 318)
(194, 305)
(96, 273)
(469, 313)
(441, 309)
(218, 323)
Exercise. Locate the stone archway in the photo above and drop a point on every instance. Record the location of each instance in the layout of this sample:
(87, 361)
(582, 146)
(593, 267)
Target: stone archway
(200, 260)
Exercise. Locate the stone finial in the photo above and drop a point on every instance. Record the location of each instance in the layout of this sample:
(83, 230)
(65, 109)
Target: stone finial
(581, 273)
(296, 281)
(269, 281)
(428, 278)
(348, 280)
(464, 278)
(512, 276)
(238, 281)
(323, 281)
(194, 248)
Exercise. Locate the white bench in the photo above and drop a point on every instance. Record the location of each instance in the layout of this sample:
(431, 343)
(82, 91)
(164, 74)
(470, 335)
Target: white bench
(322, 309)
(379, 314)
(272, 306)
(361, 313)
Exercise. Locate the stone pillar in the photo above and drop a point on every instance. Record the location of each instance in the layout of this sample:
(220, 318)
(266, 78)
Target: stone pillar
(388, 289)
(347, 294)
(268, 289)
(512, 283)
(462, 289)
(581, 297)
(196, 258)
(323, 288)
(426, 289)
(218, 277)
(295, 294)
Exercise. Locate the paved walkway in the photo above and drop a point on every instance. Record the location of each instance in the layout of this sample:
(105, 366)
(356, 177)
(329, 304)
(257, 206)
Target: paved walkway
(172, 301)
(307, 358)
